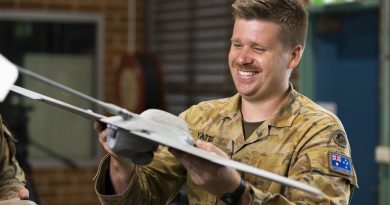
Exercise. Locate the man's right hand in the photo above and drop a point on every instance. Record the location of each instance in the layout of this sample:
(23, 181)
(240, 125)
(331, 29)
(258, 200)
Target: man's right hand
(24, 194)
(101, 130)
(123, 144)
(121, 169)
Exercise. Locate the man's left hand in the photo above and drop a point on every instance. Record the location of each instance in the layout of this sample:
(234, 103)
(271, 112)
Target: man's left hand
(214, 178)
(24, 194)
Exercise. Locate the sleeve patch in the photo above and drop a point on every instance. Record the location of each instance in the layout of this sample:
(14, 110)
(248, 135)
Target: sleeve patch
(340, 138)
(340, 163)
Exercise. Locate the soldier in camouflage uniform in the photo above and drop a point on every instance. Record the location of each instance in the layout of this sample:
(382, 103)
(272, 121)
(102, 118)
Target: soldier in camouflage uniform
(12, 181)
(267, 125)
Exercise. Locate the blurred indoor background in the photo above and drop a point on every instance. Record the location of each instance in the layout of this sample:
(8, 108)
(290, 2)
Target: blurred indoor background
(170, 54)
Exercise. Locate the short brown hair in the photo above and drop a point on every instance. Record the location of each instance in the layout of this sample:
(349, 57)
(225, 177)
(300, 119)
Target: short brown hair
(289, 14)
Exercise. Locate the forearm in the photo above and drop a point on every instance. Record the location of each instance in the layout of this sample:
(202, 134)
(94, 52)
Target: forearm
(12, 178)
(246, 197)
(9, 188)
(120, 172)
(162, 178)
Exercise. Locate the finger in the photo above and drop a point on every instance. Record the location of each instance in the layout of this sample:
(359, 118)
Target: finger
(24, 193)
(182, 157)
(207, 146)
(192, 163)
(109, 151)
(103, 137)
(196, 178)
(99, 126)
(96, 126)
(103, 142)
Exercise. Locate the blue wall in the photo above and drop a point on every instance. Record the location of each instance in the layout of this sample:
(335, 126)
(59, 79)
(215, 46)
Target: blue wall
(347, 73)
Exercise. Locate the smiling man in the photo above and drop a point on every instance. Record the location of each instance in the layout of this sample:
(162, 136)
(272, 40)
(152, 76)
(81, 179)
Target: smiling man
(267, 124)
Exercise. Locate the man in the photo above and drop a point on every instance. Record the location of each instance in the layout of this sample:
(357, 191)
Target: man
(12, 182)
(267, 125)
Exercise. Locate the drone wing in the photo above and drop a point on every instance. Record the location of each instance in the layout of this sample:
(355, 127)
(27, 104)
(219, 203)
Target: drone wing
(57, 103)
(9, 74)
(165, 133)
(165, 129)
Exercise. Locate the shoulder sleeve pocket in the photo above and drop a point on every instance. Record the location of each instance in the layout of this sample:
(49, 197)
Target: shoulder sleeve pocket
(335, 164)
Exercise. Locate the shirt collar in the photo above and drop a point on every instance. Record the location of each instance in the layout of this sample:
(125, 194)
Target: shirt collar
(283, 118)
(231, 108)
(288, 112)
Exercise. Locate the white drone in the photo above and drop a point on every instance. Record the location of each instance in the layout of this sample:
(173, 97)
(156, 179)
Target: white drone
(154, 125)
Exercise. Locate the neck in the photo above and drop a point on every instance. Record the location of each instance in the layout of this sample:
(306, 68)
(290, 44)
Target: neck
(257, 111)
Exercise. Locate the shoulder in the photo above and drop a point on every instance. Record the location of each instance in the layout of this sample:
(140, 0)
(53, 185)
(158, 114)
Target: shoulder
(317, 125)
(324, 142)
(313, 114)
(206, 108)
(324, 132)
(212, 104)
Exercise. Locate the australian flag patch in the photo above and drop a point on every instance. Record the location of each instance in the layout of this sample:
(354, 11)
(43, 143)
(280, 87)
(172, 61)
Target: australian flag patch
(340, 163)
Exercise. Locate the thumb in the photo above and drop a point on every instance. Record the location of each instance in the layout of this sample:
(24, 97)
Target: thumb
(207, 146)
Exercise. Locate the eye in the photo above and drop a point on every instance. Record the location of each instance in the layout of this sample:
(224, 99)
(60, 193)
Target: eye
(236, 44)
(259, 49)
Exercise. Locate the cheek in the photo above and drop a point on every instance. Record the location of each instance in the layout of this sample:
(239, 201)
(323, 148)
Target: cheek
(274, 64)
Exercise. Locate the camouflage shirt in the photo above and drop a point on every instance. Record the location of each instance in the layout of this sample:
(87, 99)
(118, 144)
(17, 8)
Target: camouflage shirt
(302, 141)
(11, 175)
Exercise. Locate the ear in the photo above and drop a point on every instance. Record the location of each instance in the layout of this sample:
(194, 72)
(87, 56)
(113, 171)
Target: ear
(295, 56)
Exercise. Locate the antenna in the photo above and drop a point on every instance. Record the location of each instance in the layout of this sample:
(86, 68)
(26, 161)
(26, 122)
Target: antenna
(109, 107)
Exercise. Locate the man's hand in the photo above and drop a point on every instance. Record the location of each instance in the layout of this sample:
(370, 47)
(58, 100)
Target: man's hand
(213, 178)
(124, 144)
(121, 170)
(24, 194)
(102, 132)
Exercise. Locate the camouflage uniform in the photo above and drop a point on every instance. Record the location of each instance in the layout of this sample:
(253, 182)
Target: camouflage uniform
(11, 175)
(297, 142)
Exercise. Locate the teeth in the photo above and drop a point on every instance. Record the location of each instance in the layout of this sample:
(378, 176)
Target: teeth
(246, 73)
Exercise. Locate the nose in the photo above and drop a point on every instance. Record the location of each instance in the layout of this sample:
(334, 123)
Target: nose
(244, 57)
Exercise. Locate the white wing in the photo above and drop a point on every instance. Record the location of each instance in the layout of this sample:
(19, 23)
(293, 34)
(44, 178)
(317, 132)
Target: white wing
(165, 129)
(180, 139)
(8, 76)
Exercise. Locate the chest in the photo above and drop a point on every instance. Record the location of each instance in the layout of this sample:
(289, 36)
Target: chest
(267, 148)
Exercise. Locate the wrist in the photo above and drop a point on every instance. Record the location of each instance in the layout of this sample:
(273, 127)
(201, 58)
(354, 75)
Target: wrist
(235, 197)
(120, 173)
(246, 197)
(121, 164)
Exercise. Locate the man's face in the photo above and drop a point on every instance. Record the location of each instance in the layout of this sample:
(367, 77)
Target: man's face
(259, 63)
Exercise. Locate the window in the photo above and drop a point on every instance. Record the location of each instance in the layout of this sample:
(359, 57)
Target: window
(64, 48)
(192, 40)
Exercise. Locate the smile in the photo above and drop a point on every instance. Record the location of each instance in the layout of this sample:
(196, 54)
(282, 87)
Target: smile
(247, 73)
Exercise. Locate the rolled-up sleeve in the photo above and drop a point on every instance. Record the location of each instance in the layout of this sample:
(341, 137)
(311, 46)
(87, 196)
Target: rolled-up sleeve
(314, 167)
(12, 177)
(156, 183)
